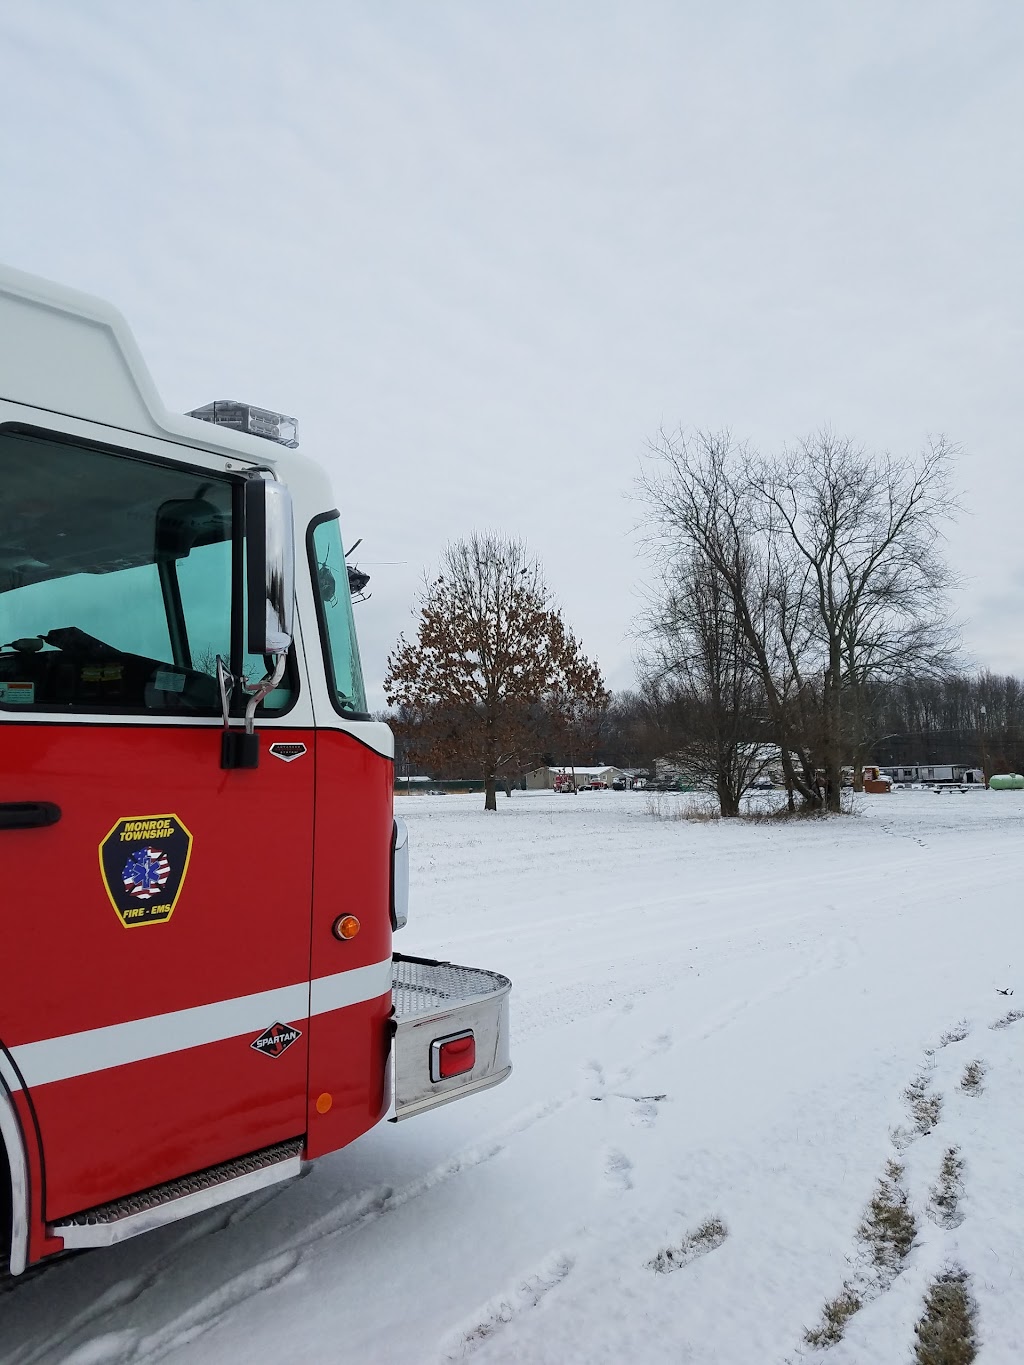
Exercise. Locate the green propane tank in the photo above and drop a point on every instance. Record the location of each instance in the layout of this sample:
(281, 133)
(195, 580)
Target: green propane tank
(1007, 782)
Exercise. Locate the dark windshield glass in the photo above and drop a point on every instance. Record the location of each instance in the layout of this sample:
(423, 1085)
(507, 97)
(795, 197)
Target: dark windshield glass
(341, 651)
(115, 580)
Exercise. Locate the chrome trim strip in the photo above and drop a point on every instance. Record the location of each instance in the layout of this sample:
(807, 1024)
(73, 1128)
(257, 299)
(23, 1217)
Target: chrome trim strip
(109, 1234)
(10, 1133)
(399, 874)
(409, 1111)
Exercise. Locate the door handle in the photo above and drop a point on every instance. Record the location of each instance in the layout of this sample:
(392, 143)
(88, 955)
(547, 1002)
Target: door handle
(28, 814)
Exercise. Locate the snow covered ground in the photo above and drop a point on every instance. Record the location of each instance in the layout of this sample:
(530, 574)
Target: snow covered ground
(710, 1022)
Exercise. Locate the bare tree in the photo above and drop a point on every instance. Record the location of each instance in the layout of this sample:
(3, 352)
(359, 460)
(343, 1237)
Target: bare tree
(702, 504)
(490, 649)
(863, 536)
(833, 559)
(702, 666)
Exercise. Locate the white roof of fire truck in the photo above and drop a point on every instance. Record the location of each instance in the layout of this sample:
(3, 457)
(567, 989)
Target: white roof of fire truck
(64, 351)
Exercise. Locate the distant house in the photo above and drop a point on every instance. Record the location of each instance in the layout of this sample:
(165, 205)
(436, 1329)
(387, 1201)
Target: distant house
(764, 768)
(635, 778)
(558, 779)
(948, 774)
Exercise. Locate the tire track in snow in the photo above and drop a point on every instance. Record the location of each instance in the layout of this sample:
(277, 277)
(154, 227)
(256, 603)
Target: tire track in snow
(834, 954)
(127, 1291)
(496, 1314)
(874, 1275)
(352, 1215)
(648, 969)
(120, 1295)
(348, 1218)
(368, 1207)
(208, 1312)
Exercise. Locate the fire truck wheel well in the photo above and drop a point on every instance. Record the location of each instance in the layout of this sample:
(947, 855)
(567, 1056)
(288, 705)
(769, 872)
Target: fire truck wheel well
(14, 1195)
(5, 1210)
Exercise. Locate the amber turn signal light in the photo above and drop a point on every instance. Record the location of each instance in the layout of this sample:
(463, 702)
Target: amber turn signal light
(345, 927)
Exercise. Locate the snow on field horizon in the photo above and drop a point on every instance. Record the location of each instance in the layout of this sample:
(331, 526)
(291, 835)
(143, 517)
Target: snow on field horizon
(724, 1026)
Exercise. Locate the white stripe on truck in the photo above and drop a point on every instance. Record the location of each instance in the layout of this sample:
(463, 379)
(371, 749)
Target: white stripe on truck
(158, 1035)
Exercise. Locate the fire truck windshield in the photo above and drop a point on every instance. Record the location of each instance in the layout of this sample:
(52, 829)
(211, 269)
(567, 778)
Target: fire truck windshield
(334, 610)
(118, 582)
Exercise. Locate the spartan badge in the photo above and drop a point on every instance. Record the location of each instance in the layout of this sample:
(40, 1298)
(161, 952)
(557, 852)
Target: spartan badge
(276, 1039)
(143, 861)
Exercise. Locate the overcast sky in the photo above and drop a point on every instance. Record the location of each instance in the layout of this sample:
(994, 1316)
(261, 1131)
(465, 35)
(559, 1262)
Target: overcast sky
(484, 251)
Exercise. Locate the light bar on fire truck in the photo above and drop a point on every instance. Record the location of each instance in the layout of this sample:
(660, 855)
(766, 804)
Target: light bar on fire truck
(272, 426)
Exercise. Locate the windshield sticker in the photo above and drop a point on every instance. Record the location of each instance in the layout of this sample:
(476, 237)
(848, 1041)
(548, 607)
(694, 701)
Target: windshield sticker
(166, 681)
(143, 861)
(18, 693)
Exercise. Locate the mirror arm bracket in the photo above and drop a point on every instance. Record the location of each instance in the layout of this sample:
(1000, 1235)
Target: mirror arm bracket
(241, 748)
(263, 689)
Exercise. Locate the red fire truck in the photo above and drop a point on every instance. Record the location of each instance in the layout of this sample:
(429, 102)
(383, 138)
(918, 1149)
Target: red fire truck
(201, 869)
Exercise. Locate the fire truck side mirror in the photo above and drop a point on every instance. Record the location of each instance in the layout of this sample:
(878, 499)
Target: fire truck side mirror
(270, 566)
(270, 607)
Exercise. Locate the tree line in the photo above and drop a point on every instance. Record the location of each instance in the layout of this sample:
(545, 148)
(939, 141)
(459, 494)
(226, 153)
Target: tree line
(798, 614)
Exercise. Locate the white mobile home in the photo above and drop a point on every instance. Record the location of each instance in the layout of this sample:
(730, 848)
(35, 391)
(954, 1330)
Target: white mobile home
(936, 775)
(561, 778)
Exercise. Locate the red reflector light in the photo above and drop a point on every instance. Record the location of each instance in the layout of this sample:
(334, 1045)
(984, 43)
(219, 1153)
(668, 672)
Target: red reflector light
(452, 1056)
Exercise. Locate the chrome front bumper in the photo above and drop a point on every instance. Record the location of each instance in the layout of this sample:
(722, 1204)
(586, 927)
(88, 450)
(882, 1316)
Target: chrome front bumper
(431, 1002)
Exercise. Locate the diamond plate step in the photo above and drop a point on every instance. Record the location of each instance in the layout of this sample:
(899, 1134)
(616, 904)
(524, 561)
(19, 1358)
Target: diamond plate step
(161, 1204)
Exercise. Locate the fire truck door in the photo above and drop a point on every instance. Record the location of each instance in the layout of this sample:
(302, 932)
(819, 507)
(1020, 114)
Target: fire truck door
(156, 909)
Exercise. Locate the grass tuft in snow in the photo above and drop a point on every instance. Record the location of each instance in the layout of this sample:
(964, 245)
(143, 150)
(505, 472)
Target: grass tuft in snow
(1008, 1019)
(974, 1074)
(946, 1331)
(887, 1232)
(835, 1315)
(780, 814)
(889, 1228)
(694, 810)
(708, 1237)
(925, 1107)
(700, 809)
(946, 1192)
(956, 1034)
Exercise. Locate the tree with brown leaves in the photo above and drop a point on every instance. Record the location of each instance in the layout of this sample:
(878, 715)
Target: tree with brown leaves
(490, 649)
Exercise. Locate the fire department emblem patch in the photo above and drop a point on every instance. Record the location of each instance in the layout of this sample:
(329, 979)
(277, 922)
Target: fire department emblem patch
(143, 861)
(145, 873)
(276, 1039)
